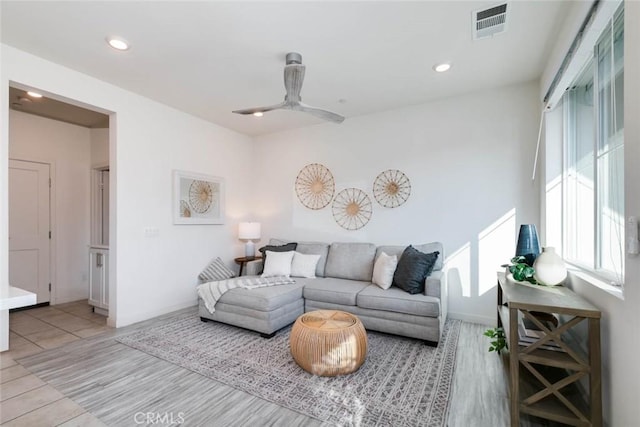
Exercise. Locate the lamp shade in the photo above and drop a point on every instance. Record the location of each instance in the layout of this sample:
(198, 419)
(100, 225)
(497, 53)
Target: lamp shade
(249, 230)
(528, 245)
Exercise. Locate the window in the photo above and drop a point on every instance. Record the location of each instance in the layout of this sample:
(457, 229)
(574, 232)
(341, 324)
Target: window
(593, 169)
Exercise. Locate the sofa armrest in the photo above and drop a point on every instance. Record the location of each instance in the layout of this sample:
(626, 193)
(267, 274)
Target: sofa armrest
(436, 286)
(253, 268)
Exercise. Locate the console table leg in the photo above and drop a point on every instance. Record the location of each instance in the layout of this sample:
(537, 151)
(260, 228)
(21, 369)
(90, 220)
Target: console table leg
(514, 367)
(595, 383)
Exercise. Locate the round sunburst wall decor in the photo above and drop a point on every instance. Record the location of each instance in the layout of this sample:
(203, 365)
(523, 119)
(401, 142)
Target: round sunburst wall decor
(315, 186)
(200, 196)
(391, 188)
(352, 209)
(185, 210)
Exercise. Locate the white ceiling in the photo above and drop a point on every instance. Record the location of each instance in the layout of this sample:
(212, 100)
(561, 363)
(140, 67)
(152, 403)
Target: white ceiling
(208, 58)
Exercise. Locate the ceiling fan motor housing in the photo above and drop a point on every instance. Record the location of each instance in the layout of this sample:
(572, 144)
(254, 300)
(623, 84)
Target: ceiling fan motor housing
(294, 58)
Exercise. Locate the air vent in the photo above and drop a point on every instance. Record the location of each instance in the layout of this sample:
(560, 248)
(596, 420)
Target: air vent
(488, 22)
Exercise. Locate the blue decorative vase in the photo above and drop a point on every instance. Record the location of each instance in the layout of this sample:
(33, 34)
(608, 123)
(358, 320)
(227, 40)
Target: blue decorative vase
(528, 245)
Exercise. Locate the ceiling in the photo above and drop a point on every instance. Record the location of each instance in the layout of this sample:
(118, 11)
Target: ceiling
(210, 57)
(19, 100)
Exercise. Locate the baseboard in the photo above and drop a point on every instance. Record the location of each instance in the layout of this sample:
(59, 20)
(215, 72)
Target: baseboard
(29, 307)
(139, 316)
(473, 318)
(66, 297)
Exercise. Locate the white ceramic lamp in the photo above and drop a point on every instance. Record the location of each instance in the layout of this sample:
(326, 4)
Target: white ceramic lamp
(249, 231)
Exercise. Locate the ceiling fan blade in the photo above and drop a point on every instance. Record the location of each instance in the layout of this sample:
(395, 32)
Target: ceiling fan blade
(323, 114)
(260, 109)
(293, 79)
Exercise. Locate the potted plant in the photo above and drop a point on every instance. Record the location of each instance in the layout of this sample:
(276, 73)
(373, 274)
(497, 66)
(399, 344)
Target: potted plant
(521, 271)
(498, 339)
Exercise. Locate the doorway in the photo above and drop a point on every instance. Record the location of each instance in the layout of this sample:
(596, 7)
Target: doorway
(72, 140)
(30, 227)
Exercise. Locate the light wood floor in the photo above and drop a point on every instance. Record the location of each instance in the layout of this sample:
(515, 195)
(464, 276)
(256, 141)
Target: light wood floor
(72, 396)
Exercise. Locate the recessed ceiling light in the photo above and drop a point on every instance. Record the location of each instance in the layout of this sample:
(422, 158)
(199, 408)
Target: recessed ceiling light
(441, 68)
(258, 114)
(117, 43)
(34, 94)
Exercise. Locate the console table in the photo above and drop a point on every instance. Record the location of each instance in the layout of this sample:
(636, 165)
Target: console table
(517, 300)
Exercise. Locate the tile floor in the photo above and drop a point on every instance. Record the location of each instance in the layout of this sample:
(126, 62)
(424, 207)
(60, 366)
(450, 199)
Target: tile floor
(26, 400)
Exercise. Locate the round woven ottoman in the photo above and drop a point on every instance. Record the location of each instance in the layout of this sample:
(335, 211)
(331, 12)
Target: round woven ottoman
(328, 342)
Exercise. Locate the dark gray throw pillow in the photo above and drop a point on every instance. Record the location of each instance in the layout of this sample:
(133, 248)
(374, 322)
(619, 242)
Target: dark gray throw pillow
(413, 268)
(275, 248)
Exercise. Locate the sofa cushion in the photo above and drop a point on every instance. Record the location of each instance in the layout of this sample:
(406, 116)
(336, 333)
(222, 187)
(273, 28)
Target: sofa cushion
(267, 298)
(310, 248)
(336, 291)
(412, 270)
(352, 261)
(426, 248)
(396, 300)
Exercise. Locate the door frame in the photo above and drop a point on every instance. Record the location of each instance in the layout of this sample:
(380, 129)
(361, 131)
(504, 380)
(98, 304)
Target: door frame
(52, 221)
(60, 94)
(94, 200)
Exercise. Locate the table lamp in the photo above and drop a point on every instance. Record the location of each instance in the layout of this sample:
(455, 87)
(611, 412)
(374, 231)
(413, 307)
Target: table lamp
(249, 231)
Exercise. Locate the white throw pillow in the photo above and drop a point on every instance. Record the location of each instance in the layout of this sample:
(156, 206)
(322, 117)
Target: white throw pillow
(304, 265)
(383, 270)
(277, 264)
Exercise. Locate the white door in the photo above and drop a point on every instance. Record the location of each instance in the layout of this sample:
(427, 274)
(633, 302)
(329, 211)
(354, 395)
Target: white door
(29, 228)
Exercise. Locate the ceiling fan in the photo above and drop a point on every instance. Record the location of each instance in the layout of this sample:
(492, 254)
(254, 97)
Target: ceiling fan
(293, 78)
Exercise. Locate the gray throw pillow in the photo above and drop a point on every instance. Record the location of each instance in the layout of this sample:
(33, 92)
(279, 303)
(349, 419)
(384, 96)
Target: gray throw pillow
(412, 270)
(216, 270)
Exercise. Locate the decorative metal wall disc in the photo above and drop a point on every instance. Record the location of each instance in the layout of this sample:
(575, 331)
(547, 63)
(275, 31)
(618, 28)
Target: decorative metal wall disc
(315, 186)
(352, 208)
(200, 196)
(391, 188)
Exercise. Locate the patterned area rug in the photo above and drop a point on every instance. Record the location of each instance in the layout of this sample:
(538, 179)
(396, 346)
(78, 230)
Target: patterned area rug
(403, 382)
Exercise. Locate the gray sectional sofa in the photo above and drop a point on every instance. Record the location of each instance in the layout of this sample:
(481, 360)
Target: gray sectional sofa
(343, 282)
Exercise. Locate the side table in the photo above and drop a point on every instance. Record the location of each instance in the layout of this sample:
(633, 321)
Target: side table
(241, 261)
(328, 342)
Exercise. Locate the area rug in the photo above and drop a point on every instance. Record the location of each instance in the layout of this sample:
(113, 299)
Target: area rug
(403, 382)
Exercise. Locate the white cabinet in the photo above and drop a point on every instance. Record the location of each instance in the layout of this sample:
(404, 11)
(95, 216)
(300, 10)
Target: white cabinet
(99, 278)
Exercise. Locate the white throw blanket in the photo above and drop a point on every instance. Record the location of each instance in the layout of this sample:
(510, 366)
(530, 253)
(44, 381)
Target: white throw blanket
(211, 292)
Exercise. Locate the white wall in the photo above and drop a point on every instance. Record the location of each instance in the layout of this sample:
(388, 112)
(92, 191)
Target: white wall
(150, 275)
(67, 148)
(620, 323)
(469, 159)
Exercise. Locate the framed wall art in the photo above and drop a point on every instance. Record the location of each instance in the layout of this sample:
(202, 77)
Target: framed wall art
(197, 198)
